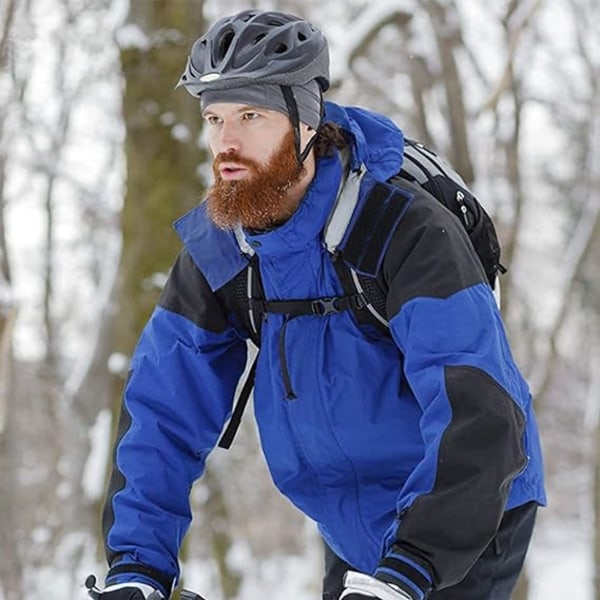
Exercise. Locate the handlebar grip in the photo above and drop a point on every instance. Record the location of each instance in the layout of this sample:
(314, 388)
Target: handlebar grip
(92, 590)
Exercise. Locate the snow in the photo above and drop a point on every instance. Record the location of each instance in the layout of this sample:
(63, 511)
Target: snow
(94, 474)
(181, 133)
(117, 13)
(560, 563)
(132, 36)
(118, 363)
(343, 49)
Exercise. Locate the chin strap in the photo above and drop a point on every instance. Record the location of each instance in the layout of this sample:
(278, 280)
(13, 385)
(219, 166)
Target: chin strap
(292, 106)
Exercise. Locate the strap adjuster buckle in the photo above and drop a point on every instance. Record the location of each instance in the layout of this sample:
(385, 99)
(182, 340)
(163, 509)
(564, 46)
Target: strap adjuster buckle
(358, 301)
(324, 306)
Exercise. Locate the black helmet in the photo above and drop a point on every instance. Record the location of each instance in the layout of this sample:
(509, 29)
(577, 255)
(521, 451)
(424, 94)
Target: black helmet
(253, 47)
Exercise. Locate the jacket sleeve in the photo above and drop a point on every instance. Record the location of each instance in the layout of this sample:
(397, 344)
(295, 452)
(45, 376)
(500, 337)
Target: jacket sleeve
(176, 401)
(457, 362)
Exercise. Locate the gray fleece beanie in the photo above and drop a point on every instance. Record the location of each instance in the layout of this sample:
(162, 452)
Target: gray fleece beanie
(307, 96)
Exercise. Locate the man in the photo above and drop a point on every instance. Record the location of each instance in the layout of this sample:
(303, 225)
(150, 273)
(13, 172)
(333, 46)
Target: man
(416, 451)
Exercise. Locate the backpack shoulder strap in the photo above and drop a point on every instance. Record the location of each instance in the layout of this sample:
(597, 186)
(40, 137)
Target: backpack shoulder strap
(359, 225)
(235, 420)
(374, 223)
(345, 204)
(358, 234)
(237, 296)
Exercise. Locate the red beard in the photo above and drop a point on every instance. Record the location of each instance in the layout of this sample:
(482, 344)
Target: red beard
(257, 202)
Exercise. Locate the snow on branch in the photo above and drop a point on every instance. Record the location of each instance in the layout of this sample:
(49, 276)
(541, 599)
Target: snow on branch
(577, 250)
(362, 32)
(517, 24)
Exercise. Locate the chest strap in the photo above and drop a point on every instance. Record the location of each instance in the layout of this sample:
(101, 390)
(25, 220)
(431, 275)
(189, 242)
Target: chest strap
(320, 307)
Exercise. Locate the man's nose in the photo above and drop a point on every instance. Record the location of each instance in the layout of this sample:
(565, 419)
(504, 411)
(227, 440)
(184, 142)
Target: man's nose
(229, 138)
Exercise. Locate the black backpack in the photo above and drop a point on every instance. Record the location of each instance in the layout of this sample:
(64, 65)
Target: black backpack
(364, 246)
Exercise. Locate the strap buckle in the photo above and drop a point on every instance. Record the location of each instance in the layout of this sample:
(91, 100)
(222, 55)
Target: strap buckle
(324, 306)
(358, 301)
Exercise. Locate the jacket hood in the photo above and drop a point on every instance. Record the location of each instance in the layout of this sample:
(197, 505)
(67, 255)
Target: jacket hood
(377, 141)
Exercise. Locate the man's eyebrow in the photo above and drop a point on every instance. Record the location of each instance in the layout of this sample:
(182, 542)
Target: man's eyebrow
(248, 107)
(245, 108)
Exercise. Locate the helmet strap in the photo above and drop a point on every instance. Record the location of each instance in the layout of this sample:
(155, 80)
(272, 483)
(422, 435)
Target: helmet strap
(292, 106)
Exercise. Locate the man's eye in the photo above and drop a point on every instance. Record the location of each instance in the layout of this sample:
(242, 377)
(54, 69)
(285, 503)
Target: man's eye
(251, 116)
(211, 119)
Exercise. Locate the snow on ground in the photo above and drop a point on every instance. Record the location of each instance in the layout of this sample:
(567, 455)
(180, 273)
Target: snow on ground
(559, 566)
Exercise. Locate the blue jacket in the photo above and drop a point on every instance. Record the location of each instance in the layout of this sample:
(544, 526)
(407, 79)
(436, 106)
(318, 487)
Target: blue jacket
(409, 445)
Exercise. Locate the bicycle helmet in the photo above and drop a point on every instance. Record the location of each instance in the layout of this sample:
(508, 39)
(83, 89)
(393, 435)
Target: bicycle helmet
(253, 47)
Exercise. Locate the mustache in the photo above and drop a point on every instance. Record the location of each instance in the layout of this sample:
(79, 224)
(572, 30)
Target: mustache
(233, 156)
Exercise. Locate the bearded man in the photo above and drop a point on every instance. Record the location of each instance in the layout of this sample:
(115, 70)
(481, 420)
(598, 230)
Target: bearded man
(415, 450)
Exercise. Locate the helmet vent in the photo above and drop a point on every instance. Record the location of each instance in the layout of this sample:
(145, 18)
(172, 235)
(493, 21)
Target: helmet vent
(259, 37)
(280, 49)
(224, 43)
(301, 36)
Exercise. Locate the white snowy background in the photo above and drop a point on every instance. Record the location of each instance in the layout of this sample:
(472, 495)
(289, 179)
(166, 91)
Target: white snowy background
(90, 185)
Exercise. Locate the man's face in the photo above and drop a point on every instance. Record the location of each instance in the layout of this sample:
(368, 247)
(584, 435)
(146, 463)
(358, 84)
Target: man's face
(254, 165)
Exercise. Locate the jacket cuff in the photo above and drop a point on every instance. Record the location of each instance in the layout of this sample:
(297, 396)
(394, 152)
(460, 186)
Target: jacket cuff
(132, 572)
(411, 575)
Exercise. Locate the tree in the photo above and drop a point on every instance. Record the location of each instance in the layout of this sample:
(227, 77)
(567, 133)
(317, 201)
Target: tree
(10, 562)
(482, 84)
(390, 62)
(163, 156)
(48, 393)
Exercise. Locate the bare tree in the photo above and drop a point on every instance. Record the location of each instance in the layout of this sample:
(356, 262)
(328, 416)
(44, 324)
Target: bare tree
(421, 64)
(162, 131)
(498, 159)
(10, 563)
(45, 443)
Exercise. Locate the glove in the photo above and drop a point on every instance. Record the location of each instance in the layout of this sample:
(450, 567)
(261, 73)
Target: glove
(130, 591)
(359, 586)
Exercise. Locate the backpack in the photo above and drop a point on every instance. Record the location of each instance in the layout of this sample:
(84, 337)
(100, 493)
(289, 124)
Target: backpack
(357, 244)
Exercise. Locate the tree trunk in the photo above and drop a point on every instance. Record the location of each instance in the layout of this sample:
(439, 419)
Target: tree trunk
(162, 184)
(161, 168)
(11, 569)
(448, 36)
(221, 540)
(595, 455)
(596, 501)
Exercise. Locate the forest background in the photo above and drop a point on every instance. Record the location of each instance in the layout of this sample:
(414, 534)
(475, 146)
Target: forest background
(99, 154)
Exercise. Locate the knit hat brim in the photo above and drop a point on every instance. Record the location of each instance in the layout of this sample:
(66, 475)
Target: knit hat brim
(307, 96)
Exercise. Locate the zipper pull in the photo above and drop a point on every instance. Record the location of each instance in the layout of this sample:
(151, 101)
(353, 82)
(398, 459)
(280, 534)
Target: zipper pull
(460, 199)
